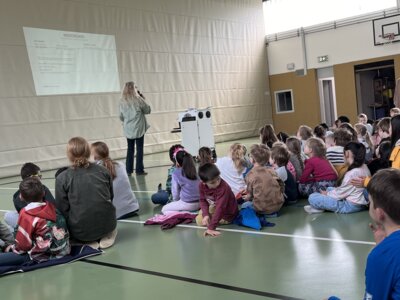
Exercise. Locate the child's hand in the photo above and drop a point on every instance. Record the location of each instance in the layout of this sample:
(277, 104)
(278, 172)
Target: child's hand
(379, 233)
(358, 182)
(211, 232)
(205, 221)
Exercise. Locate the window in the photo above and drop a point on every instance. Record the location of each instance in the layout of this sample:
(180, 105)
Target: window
(284, 101)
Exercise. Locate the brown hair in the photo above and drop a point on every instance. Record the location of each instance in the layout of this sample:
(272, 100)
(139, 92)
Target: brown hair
(305, 132)
(350, 129)
(260, 153)
(384, 189)
(342, 136)
(384, 124)
(294, 146)
(102, 153)
(238, 151)
(205, 156)
(267, 135)
(78, 152)
(317, 146)
(280, 154)
(31, 189)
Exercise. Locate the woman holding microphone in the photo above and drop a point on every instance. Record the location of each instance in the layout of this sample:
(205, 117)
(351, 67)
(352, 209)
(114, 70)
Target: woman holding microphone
(133, 109)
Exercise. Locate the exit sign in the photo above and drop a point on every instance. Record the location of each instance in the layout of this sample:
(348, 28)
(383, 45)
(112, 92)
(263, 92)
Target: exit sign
(323, 58)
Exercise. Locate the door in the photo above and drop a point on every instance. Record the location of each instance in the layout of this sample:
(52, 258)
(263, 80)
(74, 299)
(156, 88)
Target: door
(327, 100)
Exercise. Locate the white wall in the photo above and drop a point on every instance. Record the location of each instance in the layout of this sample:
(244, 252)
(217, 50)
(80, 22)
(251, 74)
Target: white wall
(181, 53)
(342, 45)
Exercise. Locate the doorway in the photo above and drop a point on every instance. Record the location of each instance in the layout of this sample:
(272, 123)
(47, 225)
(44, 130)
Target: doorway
(327, 100)
(375, 84)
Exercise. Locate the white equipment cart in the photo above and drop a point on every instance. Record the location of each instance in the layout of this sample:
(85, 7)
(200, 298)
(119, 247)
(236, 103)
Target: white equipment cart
(197, 131)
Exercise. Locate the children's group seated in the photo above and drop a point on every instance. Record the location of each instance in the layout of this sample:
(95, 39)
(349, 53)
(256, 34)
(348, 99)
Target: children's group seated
(331, 169)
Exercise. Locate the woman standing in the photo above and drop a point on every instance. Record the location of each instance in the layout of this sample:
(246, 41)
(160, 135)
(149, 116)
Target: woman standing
(132, 110)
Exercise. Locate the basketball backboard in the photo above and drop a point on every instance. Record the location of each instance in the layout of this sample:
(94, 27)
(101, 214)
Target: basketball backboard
(386, 30)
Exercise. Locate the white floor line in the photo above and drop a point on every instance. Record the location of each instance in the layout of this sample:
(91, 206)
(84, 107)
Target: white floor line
(261, 233)
(267, 233)
(16, 188)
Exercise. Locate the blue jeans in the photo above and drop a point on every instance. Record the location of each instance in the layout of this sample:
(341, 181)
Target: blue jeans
(320, 201)
(139, 155)
(161, 197)
(13, 259)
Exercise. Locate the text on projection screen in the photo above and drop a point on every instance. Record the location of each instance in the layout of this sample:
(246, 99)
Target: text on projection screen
(65, 62)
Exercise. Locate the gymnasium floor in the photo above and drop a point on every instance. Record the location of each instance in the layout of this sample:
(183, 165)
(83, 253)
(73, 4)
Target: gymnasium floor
(302, 257)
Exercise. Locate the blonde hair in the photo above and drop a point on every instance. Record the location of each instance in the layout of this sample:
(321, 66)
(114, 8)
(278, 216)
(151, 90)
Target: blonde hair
(78, 152)
(130, 91)
(317, 146)
(237, 152)
(102, 153)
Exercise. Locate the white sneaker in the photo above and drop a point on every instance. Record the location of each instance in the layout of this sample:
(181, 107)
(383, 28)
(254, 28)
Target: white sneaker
(108, 240)
(311, 210)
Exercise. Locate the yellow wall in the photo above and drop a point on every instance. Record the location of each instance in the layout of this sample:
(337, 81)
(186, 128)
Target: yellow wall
(306, 101)
(306, 95)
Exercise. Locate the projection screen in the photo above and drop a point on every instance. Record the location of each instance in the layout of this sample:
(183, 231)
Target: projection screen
(65, 62)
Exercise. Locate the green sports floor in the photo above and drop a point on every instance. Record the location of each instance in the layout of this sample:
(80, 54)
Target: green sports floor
(302, 257)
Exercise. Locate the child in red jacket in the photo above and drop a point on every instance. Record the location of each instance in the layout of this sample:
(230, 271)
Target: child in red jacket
(217, 201)
(41, 232)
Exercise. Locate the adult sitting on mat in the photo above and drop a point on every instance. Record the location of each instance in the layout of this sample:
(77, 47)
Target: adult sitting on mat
(84, 192)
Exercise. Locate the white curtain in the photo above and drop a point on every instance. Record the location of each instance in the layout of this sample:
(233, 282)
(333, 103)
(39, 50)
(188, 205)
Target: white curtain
(181, 54)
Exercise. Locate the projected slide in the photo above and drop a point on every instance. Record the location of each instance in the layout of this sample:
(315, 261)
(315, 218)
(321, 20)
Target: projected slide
(64, 62)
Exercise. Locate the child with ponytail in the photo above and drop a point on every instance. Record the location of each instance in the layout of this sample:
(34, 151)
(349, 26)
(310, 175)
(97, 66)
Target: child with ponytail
(125, 202)
(185, 184)
(233, 168)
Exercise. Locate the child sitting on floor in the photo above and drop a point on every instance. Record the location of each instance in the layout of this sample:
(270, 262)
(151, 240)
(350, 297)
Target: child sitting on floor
(27, 170)
(346, 198)
(125, 202)
(205, 156)
(279, 160)
(294, 146)
(263, 188)
(42, 232)
(163, 196)
(217, 201)
(318, 171)
(383, 263)
(6, 236)
(185, 184)
(233, 168)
